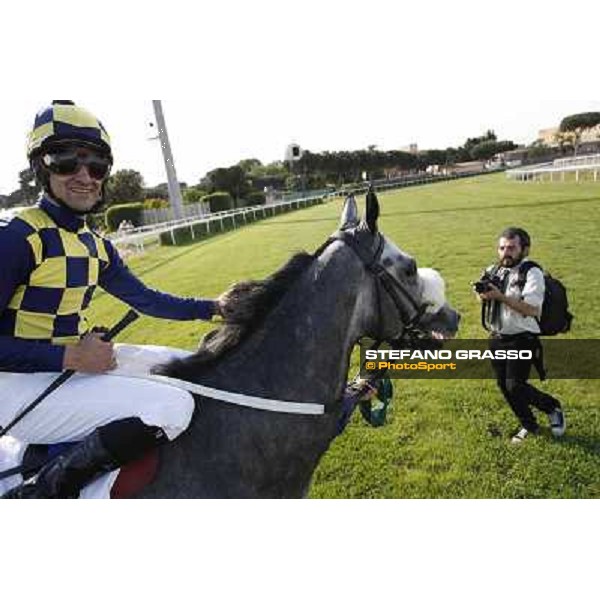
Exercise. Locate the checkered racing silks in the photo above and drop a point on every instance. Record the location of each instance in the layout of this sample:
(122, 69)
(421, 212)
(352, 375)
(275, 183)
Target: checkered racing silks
(51, 306)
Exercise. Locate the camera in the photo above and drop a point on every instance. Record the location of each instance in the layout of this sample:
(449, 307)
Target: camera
(483, 285)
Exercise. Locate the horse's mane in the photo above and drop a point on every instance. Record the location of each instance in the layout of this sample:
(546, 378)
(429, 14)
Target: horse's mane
(245, 305)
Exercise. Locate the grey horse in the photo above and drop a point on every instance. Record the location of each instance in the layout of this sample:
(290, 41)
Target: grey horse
(290, 337)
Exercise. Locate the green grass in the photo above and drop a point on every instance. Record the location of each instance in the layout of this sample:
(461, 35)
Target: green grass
(437, 442)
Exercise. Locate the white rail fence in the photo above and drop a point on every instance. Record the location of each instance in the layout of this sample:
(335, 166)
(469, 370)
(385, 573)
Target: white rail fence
(215, 223)
(218, 222)
(557, 170)
(158, 216)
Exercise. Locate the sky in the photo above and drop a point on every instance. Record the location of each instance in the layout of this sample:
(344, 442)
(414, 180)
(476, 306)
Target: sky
(245, 80)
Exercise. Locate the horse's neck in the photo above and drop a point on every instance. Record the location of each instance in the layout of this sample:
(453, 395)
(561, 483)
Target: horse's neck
(301, 353)
(305, 343)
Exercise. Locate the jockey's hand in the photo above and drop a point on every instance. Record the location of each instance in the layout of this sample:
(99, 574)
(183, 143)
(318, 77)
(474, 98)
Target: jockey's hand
(222, 305)
(90, 355)
(219, 305)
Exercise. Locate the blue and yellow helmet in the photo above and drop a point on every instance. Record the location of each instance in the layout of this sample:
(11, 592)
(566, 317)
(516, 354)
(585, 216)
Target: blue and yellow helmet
(65, 123)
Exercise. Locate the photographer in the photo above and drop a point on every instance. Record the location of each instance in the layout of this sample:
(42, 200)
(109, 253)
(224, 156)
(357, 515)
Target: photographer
(510, 312)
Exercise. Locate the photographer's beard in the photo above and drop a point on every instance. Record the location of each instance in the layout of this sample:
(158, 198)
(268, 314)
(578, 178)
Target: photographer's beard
(509, 262)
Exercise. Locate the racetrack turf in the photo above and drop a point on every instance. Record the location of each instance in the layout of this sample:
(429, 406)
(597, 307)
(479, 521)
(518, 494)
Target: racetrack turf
(443, 438)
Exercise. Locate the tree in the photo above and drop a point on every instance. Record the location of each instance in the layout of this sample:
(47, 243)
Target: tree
(489, 136)
(193, 194)
(565, 140)
(27, 193)
(451, 156)
(345, 166)
(271, 175)
(160, 191)
(274, 169)
(249, 164)
(231, 180)
(432, 157)
(577, 124)
(15, 198)
(125, 186)
(28, 186)
(580, 120)
(486, 150)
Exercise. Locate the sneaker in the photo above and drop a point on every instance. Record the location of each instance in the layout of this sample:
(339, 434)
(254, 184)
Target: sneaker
(520, 436)
(557, 422)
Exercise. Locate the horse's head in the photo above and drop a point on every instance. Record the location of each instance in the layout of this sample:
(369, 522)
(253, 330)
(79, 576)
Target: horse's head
(406, 301)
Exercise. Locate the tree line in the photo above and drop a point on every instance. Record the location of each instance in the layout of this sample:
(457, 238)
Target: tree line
(312, 171)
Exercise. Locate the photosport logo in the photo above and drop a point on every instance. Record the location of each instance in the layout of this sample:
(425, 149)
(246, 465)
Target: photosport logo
(472, 359)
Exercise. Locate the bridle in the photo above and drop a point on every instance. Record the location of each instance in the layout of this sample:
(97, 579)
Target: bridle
(384, 281)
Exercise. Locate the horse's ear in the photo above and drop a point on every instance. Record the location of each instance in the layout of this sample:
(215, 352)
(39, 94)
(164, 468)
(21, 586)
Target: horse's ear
(349, 216)
(372, 210)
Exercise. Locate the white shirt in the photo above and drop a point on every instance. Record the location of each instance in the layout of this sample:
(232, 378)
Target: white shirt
(511, 321)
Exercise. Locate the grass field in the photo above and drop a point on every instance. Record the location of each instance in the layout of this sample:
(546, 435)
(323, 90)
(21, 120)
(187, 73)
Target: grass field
(437, 442)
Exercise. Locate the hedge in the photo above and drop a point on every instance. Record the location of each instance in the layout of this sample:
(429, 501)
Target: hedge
(153, 203)
(124, 212)
(255, 198)
(96, 221)
(218, 201)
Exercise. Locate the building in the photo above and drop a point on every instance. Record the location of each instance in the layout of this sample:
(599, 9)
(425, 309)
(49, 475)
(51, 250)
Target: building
(410, 148)
(548, 136)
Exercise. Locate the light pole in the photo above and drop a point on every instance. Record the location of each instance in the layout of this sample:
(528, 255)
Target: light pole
(174, 190)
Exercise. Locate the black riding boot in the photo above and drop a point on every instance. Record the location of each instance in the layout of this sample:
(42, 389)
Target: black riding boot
(105, 450)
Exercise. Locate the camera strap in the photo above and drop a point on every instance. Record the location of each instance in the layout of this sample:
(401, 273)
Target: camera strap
(490, 309)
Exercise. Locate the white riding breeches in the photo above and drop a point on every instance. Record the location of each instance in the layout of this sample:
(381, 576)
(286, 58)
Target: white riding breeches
(86, 402)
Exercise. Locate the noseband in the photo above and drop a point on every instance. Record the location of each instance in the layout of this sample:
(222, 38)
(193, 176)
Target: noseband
(394, 288)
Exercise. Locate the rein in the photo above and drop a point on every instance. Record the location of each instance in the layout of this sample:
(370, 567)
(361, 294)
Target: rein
(258, 402)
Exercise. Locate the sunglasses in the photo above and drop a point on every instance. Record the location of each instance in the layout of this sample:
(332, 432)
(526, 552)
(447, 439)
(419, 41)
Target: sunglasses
(68, 162)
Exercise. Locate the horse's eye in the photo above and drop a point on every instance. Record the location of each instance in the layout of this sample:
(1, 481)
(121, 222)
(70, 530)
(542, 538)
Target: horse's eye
(411, 269)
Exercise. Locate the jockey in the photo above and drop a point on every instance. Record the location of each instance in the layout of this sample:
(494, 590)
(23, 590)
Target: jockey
(51, 265)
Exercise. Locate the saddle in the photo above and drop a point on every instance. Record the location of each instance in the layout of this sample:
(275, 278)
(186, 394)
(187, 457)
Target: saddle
(132, 477)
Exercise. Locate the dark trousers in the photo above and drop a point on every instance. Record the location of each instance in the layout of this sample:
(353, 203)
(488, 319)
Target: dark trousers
(512, 375)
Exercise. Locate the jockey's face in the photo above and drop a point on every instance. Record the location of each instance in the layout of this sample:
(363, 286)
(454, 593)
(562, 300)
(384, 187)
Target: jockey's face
(79, 190)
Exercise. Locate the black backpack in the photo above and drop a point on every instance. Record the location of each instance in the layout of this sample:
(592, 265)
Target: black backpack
(555, 317)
